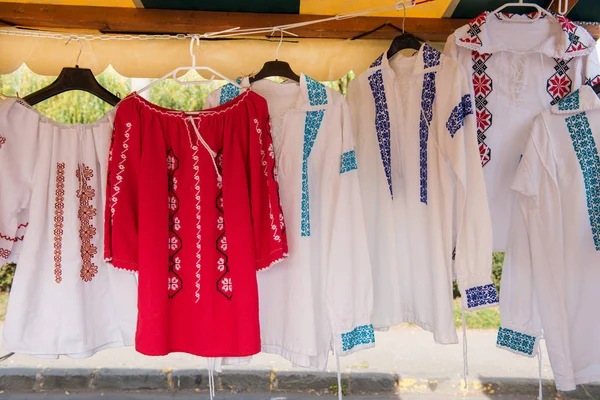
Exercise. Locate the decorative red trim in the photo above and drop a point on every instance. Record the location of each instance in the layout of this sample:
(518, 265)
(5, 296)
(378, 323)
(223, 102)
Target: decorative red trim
(2, 141)
(59, 211)
(87, 231)
(4, 254)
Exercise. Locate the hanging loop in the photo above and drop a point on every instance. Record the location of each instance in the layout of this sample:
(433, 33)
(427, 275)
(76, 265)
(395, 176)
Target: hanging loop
(403, 18)
(80, 49)
(279, 45)
(563, 7)
(195, 38)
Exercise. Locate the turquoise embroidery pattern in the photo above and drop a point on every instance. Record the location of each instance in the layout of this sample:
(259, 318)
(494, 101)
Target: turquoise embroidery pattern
(431, 58)
(516, 341)
(229, 92)
(587, 154)
(317, 96)
(457, 117)
(570, 103)
(481, 296)
(348, 162)
(382, 124)
(360, 335)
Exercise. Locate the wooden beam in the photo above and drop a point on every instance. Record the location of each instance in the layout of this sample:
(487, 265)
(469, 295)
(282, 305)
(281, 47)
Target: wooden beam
(134, 20)
(554, 6)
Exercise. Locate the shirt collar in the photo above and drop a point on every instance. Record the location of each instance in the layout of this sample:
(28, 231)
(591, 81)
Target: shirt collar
(428, 59)
(583, 99)
(571, 41)
(313, 94)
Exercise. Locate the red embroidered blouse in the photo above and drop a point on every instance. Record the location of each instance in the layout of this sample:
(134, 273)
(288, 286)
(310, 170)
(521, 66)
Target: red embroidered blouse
(193, 206)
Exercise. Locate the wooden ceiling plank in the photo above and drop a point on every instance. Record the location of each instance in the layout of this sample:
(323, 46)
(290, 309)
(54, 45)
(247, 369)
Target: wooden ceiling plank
(146, 21)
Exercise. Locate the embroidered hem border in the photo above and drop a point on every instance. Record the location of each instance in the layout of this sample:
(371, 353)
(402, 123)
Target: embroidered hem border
(516, 342)
(362, 335)
(481, 296)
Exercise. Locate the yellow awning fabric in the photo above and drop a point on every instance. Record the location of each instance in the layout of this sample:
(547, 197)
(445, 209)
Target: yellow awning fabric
(322, 59)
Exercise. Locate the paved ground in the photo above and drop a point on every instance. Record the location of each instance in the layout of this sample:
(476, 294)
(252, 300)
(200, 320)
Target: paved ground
(196, 396)
(403, 351)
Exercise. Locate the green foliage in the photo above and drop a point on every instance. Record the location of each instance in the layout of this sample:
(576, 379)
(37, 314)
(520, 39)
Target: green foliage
(486, 318)
(6, 277)
(172, 95)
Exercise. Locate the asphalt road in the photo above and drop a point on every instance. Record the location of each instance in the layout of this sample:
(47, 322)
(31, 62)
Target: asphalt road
(235, 396)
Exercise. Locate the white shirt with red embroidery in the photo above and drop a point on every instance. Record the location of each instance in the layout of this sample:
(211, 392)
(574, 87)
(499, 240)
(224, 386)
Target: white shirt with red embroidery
(320, 297)
(65, 300)
(422, 190)
(552, 264)
(517, 70)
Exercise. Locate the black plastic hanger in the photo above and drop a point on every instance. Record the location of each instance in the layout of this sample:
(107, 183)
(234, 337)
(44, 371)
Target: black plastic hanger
(73, 79)
(596, 88)
(362, 35)
(276, 68)
(404, 41)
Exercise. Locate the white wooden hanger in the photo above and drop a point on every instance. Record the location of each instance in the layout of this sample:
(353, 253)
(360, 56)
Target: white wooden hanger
(540, 11)
(173, 74)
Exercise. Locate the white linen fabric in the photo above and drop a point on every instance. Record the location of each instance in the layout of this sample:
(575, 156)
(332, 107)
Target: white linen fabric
(319, 299)
(64, 299)
(550, 276)
(517, 70)
(422, 189)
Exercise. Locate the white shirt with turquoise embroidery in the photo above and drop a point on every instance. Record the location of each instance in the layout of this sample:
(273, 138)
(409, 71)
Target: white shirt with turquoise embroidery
(552, 266)
(320, 297)
(517, 70)
(423, 191)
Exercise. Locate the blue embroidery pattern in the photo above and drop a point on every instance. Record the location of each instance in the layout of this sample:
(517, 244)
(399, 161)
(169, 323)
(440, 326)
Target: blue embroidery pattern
(317, 92)
(311, 127)
(457, 117)
(348, 162)
(382, 124)
(481, 296)
(229, 92)
(516, 341)
(317, 96)
(427, 98)
(431, 58)
(587, 154)
(363, 334)
(570, 103)
(377, 62)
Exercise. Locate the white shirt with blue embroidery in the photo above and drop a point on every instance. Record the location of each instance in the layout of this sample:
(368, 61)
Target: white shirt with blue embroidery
(552, 265)
(320, 297)
(422, 190)
(517, 70)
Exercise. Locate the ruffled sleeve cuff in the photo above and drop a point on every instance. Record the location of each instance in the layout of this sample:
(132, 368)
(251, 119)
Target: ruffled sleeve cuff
(360, 338)
(482, 296)
(517, 342)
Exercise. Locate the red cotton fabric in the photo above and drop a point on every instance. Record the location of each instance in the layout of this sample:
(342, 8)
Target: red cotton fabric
(193, 206)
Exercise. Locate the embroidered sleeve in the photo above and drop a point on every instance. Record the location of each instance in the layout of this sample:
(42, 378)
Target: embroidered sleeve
(349, 282)
(270, 237)
(18, 152)
(591, 69)
(521, 323)
(473, 247)
(121, 212)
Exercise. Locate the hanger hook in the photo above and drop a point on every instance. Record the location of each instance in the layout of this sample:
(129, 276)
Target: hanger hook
(195, 38)
(279, 45)
(403, 18)
(80, 49)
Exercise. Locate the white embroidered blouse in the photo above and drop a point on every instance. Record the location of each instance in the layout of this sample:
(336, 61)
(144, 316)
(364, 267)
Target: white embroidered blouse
(552, 264)
(320, 297)
(422, 190)
(64, 300)
(517, 70)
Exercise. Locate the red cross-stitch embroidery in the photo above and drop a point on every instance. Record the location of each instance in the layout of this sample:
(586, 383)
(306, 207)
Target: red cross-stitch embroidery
(482, 86)
(87, 231)
(175, 281)
(59, 211)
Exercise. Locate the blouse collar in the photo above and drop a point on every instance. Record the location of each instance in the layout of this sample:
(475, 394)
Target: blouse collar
(428, 59)
(570, 41)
